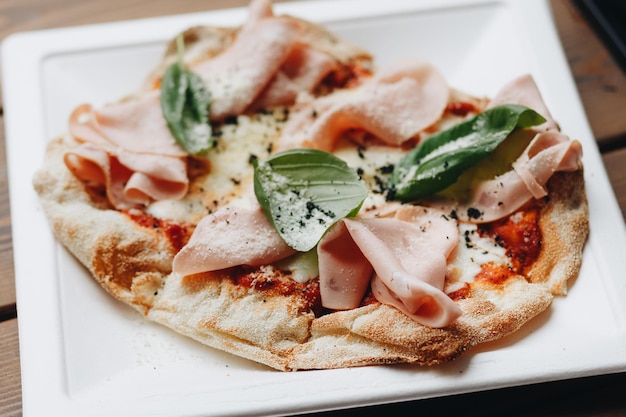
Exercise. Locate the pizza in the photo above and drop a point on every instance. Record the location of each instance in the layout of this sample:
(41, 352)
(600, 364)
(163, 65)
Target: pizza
(269, 191)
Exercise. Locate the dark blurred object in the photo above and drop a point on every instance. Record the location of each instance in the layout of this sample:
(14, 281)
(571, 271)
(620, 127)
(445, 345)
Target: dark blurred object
(608, 17)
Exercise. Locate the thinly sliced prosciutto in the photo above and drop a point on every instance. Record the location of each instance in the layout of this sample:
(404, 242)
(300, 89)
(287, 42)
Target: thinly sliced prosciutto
(523, 91)
(128, 148)
(395, 106)
(405, 257)
(239, 74)
(136, 125)
(267, 65)
(302, 71)
(232, 236)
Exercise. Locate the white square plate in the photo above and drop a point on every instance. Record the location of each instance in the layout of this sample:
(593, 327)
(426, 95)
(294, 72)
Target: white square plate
(83, 353)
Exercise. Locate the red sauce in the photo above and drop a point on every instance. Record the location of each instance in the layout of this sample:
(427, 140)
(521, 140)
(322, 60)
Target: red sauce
(279, 284)
(177, 234)
(346, 76)
(461, 293)
(494, 274)
(521, 238)
(461, 108)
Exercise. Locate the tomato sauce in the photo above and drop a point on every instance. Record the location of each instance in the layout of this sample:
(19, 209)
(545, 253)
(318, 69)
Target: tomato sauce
(520, 235)
(461, 108)
(278, 284)
(177, 234)
(494, 273)
(346, 76)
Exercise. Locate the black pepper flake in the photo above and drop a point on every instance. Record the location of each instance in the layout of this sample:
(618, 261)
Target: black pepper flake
(230, 120)
(454, 215)
(473, 213)
(380, 184)
(252, 159)
(311, 207)
(235, 181)
(360, 151)
(387, 169)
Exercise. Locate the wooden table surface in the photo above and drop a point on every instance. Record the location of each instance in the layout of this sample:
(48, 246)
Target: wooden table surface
(602, 88)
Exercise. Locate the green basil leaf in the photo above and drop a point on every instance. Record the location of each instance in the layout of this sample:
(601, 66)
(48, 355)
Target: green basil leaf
(304, 192)
(438, 161)
(185, 105)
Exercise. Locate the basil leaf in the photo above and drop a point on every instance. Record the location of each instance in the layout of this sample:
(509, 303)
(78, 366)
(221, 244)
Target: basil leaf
(185, 105)
(438, 161)
(305, 191)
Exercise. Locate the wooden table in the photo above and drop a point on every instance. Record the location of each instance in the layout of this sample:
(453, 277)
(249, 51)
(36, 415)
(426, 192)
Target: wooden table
(601, 85)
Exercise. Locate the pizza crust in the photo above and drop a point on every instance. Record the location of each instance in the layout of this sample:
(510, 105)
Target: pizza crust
(564, 223)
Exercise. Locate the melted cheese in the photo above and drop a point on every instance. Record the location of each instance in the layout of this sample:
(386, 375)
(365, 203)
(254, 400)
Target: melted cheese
(230, 172)
(471, 252)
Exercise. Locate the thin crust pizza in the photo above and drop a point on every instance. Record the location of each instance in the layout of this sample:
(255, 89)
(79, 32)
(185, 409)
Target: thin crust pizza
(270, 192)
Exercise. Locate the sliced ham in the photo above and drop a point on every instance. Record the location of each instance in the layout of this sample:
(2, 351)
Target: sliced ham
(232, 236)
(406, 255)
(394, 106)
(524, 91)
(268, 65)
(302, 71)
(128, 148)
(344, 271)
(257, 10)
(239, 74)
(136, 125)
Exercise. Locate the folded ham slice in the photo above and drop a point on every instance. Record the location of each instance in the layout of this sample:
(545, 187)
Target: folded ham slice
(394, 106)
(523, 91)
(231, 236)
(128, 148)
(405, 257)
(302, 71)
(267, 65)
(239, 74)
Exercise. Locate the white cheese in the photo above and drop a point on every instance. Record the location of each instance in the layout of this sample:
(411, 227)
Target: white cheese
(230, 172)
(472, 252)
